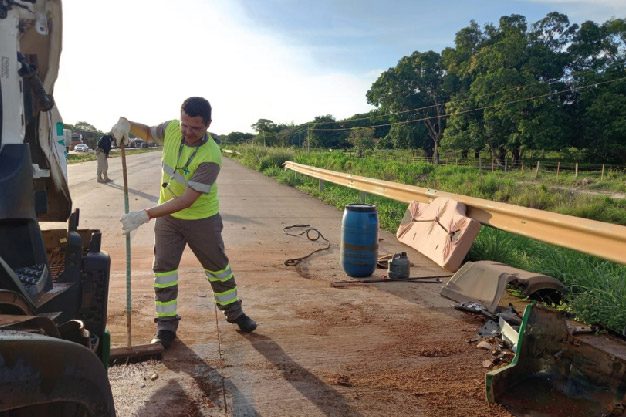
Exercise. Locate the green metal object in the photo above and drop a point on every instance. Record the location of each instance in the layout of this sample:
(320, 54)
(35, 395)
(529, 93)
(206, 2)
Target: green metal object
(556, 373)
(106, 348)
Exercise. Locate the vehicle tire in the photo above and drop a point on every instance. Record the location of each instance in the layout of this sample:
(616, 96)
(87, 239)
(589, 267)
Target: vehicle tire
(45, 376)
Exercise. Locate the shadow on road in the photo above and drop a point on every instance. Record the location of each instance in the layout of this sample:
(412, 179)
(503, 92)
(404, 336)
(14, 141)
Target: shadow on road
(328, 400)
(131, 191)
(237, 219)
(206, 378)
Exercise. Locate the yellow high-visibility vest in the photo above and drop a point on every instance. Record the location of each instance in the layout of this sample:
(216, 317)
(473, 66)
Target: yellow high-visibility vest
(179, 164)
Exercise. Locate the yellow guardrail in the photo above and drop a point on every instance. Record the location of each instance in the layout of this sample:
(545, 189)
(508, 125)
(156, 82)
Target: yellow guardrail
(596, 238)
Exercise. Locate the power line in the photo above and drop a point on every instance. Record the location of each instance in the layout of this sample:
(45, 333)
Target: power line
(476, 109)
(519, 88)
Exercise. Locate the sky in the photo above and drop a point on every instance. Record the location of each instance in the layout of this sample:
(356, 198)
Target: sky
(283, 60)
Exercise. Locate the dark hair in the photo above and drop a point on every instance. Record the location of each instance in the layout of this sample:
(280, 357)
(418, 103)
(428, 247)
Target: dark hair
(197, 106)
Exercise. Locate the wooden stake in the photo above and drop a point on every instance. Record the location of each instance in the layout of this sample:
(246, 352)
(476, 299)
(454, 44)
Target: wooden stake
(558, 168)
(602, 176)
(576, 171)
(537, 171)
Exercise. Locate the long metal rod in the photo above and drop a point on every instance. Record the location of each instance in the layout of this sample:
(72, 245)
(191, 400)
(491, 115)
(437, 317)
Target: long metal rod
(596, 238)
(128, 269)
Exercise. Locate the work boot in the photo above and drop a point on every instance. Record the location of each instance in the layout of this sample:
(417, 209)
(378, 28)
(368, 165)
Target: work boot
(245, 323)
(100, 180)
(164, 337)
(107, 179)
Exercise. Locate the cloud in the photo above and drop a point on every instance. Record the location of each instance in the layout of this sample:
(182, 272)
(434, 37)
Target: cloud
(141, 59)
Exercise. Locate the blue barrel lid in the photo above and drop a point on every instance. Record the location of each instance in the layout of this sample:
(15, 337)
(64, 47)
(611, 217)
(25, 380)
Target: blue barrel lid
(360, 207)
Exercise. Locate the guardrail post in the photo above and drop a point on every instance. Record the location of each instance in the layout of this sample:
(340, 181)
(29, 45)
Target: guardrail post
(321, 185)
(362, 195)
(480, 164)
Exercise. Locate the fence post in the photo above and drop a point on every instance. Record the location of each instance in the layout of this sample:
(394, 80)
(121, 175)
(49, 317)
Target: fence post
(602, 176)
(537, 171)
(576, 171)
(558, 168)
(506, 161)
(522, 166)
(492, 162)
(480, 164)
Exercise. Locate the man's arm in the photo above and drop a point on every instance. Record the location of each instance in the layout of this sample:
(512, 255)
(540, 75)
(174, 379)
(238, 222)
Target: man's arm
(175, 204)
(140, 130)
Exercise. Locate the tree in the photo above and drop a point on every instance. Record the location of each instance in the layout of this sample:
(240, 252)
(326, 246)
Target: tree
(91, 135)
(266, 130)
(237, 138)
(326, 132)
(413, 92)
(506, 80)
(362, 138)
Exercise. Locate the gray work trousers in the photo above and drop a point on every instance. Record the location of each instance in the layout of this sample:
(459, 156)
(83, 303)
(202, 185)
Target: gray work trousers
(204, 237)
(103, 164)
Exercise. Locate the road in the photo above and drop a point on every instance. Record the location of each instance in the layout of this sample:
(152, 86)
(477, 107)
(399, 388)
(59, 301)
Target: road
(390, 349)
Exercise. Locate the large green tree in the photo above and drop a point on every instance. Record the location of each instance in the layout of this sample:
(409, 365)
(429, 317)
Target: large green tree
(505, 101)
(413, 92)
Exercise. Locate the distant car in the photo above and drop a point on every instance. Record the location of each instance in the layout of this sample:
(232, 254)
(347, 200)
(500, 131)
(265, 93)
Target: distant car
(81, 147)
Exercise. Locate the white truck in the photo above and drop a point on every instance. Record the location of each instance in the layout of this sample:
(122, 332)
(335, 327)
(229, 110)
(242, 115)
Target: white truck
(54, 345)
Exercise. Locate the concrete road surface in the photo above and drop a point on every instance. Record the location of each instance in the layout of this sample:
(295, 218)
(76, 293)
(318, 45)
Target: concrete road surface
(390, 349)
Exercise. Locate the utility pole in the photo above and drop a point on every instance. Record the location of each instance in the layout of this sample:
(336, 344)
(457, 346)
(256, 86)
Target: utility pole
(308, 140)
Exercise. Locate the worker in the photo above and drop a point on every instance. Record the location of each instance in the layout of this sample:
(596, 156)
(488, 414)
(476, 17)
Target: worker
(102, 153)
(187, 213)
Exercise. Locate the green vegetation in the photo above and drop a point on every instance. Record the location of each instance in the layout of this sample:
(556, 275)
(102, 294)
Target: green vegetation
(512, 89)
(597, 287)
(83, 157)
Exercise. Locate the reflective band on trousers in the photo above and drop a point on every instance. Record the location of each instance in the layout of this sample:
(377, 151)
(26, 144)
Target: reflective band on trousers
(166, 309)
(226, 297)
(223, 275)
(165, 279)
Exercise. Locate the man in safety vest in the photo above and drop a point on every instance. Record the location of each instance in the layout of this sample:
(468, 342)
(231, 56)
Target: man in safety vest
(187, 213)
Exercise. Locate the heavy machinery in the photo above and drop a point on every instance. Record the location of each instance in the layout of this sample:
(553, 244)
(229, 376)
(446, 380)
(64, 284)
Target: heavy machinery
(54, 283)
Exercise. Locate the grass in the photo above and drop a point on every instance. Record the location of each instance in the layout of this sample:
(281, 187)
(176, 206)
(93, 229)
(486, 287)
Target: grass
(597, 288)
(73, 158)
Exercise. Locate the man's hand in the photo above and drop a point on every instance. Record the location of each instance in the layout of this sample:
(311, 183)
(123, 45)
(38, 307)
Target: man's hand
(120, 130)
(134, 219)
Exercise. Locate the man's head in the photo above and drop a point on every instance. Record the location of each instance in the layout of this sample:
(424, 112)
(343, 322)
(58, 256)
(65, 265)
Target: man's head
(195, 118)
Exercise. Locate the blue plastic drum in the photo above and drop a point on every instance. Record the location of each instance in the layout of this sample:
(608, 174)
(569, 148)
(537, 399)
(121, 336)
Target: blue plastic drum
(359, 240)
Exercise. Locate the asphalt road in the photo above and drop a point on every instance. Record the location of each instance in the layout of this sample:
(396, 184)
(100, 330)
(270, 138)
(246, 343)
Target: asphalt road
(368, 350)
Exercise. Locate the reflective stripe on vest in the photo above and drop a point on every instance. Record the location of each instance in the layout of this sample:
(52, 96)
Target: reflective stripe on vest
(223, 275)
(165, 279)
(226, 297)
(167, 309)
(173, 174)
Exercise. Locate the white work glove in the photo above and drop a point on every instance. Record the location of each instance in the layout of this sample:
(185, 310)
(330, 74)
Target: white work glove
(121, 130)
(134, 219)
